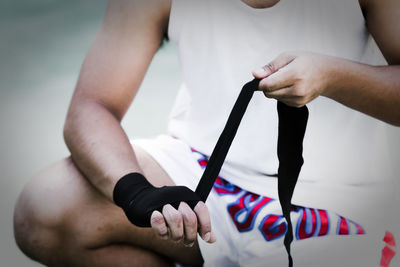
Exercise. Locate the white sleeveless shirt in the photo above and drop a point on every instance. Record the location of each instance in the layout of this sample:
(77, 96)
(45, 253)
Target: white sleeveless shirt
(221, 41)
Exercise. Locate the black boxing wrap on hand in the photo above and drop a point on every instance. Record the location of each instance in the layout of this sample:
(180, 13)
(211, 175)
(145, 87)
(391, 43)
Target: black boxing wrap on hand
(138, 198)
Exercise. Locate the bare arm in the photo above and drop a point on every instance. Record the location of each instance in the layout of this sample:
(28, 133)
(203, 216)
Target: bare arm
(110, 77)
(373, 90)
(112, 72)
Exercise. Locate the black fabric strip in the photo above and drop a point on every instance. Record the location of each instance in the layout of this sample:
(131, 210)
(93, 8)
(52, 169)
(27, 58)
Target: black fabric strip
(225, 140)
(292, 125)
(291, 130)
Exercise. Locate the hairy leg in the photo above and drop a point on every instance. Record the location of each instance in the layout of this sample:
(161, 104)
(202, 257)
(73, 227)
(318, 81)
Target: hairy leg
(61, 219)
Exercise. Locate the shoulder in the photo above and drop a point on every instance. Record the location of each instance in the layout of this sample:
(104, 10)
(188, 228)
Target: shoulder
(133, 12)
(372, 6)
(362, 3)
(382, 18)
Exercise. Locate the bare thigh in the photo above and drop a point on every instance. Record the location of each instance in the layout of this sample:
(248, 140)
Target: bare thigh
(65, 202)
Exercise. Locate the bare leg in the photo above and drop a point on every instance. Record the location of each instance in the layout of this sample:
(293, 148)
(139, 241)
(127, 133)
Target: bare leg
(61, 219)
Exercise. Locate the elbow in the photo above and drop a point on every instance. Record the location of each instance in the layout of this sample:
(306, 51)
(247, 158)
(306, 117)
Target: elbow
(73, 120)
(394, 119)
(395, 123)
(71, 124)
(67, 130)
(396, 115)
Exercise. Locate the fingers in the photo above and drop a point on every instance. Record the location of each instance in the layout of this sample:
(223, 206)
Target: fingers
(292, 96)
(189, 224)
(282, 78)
(158, 225)
(203, 218)
(277, 74)
(295, 78)
(281, 61)
(183, 224)
(173, 219)
(286, 84)
(295, 102)
(285, 95)
(280, 94)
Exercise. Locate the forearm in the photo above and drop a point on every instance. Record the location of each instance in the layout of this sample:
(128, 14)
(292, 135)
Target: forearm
(109, 79)
(99, 147)
(373, 90)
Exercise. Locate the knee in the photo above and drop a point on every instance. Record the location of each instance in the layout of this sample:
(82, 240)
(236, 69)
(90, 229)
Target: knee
(35, 234)
(38, 219)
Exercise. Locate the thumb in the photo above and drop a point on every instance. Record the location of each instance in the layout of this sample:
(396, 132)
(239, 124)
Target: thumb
(281, 61)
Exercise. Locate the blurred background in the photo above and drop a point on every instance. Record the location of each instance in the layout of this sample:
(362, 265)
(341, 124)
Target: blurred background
(42, 46)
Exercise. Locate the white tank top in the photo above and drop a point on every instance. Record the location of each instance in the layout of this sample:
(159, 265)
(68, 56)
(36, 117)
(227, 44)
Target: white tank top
(221, 41)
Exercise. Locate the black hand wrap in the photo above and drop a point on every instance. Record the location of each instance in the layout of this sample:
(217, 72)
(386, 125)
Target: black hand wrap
(138, 198)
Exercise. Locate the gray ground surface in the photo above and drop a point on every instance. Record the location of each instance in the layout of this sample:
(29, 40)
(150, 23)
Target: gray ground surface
(42, 46)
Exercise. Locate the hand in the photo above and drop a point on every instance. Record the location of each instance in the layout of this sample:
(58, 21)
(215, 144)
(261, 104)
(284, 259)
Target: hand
(296, 78)
(183, 224)
(183, 213)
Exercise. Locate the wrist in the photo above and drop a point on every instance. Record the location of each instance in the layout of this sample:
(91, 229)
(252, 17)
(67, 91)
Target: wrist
(128, 186)
(336, 71)
(138, 198)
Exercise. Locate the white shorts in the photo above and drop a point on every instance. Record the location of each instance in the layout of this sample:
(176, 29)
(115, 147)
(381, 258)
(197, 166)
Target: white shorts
(250, 228)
